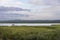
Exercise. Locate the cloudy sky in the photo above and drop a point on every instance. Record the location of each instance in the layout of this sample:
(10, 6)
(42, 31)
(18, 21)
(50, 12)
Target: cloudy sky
(30, 9)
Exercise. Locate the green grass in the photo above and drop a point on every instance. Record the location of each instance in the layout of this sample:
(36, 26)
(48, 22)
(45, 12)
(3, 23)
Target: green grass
(30, 33)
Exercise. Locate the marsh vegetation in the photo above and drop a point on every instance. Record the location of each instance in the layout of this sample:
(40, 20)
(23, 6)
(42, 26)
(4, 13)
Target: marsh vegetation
(30, 33)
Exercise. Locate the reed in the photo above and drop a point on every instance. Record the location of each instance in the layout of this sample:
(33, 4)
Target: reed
(30, 33)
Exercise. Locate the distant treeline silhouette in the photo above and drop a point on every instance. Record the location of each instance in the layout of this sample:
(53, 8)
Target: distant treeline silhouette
(30, 21)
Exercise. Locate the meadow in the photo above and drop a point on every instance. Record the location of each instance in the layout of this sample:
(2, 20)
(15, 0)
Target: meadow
(30, 32)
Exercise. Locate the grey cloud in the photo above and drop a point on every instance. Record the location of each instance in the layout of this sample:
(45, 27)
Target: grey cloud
(52, 12)
(42, 13)
(2, 8)
(45, 2)
(8, 13)
(12, 16)
(46, 9)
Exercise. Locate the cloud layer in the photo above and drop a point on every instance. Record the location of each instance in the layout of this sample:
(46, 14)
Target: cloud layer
(45, 2)
(46, 9)
(10, 3)
(8, 13)
(40, 9)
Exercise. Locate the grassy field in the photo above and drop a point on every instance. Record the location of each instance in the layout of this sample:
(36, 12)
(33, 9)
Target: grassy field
(30, 33)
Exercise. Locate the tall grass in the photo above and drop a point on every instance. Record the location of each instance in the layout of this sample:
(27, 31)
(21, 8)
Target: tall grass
(30, 33)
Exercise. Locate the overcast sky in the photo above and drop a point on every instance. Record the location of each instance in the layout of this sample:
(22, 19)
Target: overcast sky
(30, 9)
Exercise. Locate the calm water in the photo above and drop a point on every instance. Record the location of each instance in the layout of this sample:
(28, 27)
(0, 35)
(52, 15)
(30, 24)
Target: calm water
(18, 24)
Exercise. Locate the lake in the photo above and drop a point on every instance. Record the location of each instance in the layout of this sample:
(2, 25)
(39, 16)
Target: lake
(28, 24)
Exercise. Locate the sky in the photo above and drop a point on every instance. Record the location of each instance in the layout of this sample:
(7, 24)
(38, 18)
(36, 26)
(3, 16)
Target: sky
(30, 9)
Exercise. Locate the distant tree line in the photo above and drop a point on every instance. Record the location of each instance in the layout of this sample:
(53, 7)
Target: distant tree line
(31, 21)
